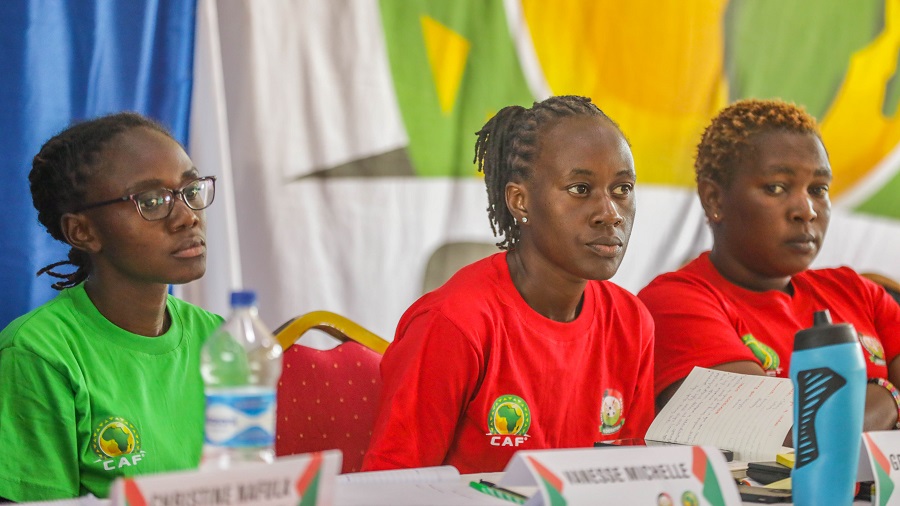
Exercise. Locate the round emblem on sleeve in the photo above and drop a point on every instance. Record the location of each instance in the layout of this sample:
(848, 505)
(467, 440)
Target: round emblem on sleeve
(612, 411)
(874, 349)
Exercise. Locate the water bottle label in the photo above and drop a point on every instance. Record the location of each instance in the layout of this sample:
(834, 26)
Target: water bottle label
(240, 418)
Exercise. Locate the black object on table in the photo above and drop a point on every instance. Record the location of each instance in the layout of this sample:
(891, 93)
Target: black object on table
(767, 472)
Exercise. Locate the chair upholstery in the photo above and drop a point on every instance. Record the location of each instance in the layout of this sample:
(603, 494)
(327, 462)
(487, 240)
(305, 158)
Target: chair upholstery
(328, 398)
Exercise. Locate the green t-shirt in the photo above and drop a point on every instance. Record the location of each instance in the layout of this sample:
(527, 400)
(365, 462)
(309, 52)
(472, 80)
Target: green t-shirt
(83, 401)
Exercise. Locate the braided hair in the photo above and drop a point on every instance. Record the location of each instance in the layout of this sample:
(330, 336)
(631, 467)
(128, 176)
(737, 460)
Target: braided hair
(507, 146)
(726, 141)
(60, 175)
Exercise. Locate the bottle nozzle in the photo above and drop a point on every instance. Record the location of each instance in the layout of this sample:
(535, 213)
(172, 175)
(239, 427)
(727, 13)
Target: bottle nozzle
(821, 318)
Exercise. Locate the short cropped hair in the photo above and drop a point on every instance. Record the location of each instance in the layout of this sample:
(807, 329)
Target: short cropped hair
(726, 140)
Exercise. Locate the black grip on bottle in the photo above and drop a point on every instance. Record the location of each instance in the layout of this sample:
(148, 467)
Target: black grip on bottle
(814, 386)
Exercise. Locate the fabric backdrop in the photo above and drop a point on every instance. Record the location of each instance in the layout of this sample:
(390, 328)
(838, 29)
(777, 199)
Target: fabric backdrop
(64, 61)
(342, 130)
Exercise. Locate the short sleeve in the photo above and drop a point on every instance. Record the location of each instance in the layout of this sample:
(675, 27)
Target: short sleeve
(886, 317)
(429, 374)
(693, 328)
(37, 432)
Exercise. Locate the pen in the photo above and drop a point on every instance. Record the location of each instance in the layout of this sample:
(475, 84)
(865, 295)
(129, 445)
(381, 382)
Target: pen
(490, 489)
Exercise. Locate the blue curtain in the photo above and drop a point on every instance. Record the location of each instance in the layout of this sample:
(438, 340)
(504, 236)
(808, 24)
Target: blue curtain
(67, 60)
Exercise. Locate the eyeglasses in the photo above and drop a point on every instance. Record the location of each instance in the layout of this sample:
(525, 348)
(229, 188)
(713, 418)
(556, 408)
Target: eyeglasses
(158, 204)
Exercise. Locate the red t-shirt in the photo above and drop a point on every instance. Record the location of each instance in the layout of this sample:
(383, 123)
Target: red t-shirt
(704, 320)
(474, 375)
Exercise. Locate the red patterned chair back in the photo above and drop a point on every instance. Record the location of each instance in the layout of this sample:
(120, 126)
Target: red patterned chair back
(327, 398)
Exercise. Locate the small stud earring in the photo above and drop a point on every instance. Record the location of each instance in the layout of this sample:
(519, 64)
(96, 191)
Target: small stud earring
(524, 219)
(715, 216)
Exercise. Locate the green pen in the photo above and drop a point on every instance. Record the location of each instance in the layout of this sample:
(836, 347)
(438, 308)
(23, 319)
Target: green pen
(490, 489)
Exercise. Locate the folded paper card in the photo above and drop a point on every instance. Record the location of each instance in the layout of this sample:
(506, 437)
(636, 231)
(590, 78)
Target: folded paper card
(300, 480)
(645, 475)
(882, 452)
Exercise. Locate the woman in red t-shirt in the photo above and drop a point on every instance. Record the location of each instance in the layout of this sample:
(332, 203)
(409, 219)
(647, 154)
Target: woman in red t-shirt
(763, 177)
(532, 347)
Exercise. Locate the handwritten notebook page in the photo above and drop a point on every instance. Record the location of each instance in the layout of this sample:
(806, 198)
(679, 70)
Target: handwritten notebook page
(749, 415)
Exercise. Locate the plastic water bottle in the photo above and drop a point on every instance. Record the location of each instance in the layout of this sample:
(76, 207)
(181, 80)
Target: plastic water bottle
(829, 375)
(240, 364)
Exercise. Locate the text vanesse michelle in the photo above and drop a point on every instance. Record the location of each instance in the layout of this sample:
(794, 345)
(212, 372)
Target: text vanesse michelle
(623, 474)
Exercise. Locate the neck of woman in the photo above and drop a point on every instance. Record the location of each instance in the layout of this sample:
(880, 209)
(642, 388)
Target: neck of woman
(547, 291)
(138, 309)
(735, 272)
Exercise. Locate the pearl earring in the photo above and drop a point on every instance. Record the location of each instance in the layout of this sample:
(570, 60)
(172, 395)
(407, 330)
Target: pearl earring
(524, 219)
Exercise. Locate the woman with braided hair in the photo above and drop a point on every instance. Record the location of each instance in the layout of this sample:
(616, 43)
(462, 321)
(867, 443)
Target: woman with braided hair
(103, 381)
(531, 347)
(763, 177)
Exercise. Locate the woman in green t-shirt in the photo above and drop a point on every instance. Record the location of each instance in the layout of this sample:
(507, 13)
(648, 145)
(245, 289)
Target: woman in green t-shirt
(103, 381)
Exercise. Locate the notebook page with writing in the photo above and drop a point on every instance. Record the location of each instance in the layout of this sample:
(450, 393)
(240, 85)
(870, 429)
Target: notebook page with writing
(749, 415)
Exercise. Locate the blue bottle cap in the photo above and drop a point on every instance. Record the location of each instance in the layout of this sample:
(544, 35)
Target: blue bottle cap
(243, 298)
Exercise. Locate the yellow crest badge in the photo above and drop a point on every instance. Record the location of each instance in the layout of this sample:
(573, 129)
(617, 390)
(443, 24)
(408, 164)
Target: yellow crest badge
(508, 421)
(117, 443)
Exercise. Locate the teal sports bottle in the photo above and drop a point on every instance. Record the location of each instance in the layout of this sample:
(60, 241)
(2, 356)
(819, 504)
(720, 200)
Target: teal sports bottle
(829, 376)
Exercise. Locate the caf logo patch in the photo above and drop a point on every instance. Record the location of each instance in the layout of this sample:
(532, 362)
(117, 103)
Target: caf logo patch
(689, 498)
(115, 437)
(509, 415)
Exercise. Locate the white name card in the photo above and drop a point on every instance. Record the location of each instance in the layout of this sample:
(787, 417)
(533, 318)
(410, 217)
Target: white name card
(300, 480)
(883, 449)
(645, 475)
